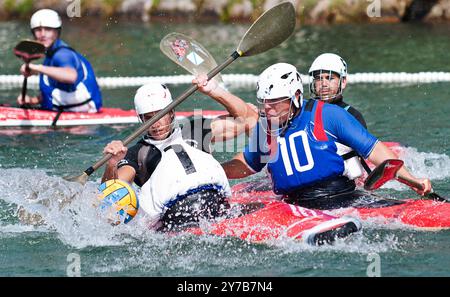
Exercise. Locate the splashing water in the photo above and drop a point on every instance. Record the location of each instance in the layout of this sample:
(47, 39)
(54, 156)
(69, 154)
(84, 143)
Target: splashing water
(132, 249)
(56, 205)
(422, 164)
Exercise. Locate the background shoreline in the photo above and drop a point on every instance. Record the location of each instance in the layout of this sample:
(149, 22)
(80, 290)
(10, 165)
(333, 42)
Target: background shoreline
(308, 11)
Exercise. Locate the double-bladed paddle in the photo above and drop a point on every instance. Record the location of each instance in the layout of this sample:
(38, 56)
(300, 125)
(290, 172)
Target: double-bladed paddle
(269, 30)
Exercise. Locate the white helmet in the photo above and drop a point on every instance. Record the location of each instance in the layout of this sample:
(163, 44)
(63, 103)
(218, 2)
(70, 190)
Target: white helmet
(329, 62)
(280, 80)
(151, 97)
(45, 18)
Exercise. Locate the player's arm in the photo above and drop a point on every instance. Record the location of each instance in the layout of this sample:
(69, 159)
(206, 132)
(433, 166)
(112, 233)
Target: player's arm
(237, 167)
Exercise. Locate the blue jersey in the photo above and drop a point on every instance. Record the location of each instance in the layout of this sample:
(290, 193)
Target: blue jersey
(301, 159)
(55, 93)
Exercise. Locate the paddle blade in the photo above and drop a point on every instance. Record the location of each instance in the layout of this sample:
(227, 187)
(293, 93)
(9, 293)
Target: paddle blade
(82, 179)
(269, 30)
(382, 174)
(29, 50)
(189, 54)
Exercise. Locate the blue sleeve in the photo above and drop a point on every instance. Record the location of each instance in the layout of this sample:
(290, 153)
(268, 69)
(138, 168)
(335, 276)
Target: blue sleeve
(256, 149)
(348, 130)
(66, 58)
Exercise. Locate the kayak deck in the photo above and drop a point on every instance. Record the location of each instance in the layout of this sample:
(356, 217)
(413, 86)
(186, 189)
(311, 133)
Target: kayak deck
(422, 214)
(275, 220)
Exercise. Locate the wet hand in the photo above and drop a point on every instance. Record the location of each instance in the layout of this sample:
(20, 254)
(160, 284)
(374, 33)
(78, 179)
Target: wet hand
(252, 107)
(28, 71)
(27, 100)
(204, 86)
(117, 150)
(426, 186)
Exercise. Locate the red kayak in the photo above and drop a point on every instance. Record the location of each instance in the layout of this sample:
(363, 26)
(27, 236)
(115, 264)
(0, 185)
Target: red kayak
(419, 214)
(264, 220)
(20, 117)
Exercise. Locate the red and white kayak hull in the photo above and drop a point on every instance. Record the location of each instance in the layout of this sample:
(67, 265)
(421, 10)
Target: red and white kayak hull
(418, 214)
(428, 215)
(20, 117)
(276, 220)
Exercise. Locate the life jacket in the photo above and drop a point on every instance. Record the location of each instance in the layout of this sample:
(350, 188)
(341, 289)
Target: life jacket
(304, 154)
(353, 167)
(180, 169)
(82, 96)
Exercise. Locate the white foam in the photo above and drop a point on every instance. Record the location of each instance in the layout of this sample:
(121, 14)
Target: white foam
(13, 228)
(422, 164)
(431, 165)
(76, 223)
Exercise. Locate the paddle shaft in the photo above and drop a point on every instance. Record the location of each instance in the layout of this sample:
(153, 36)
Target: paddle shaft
(417, 185)
(163, 112)
(260, 37)
(409, 182)
(28, 50)
(25, 79)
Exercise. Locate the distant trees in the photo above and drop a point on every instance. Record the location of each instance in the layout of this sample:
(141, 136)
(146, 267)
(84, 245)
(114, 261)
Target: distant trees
(309, 11)
(417, 10)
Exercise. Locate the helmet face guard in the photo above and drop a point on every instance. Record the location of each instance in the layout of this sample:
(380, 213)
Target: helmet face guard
(275, 123)
(276, 84)
(168, 127)
(318, 78)
(327, 66)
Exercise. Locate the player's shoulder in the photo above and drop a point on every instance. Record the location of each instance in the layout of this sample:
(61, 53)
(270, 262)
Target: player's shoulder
(334, 110)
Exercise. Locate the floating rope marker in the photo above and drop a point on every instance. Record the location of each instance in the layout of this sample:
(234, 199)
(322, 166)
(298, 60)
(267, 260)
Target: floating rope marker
(239, 80)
